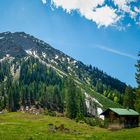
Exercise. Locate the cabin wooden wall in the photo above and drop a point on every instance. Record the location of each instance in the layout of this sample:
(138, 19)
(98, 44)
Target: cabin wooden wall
(123, 121)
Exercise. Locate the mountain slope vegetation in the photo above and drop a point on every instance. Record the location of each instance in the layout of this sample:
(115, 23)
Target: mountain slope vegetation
(32, 73)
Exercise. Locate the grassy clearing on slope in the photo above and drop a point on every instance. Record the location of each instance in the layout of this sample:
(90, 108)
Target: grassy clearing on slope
(21, 126)
(107, 103)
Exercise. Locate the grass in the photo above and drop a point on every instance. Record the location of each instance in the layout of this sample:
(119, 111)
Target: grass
(22, 126)
(107, 103)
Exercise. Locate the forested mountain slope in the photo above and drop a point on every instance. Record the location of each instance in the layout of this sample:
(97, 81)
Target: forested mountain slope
(34, 73)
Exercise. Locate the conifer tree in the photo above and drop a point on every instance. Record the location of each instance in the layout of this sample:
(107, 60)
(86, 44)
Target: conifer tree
(71, 103)
(137, 102)
(81, 106)
(138, 71)
(10, 100)
(129, 97)
(57, 99)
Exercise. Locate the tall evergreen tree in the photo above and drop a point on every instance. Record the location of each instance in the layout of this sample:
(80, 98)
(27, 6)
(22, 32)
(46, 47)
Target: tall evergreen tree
(81, 106)
(138, 71)
(71, 103)
(57, 99)
(137, 102)
(129, 98)
(10, 100)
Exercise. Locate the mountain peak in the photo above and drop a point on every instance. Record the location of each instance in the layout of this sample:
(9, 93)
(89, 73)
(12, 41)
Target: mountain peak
(16, 44)
(21, 45)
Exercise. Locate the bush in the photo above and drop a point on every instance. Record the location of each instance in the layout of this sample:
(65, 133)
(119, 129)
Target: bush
(50, 113)
(90, 121)
(100, 122)
(96, 122)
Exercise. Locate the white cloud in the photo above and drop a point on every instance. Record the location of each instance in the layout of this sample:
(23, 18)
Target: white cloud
(103, 16)
(137, 9)
(44, 1)
(116, 52)
(125, 6)
(99, 11)
(81, 5)
(121, 3)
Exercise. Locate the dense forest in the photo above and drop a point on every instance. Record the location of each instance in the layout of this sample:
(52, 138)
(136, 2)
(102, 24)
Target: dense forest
(47, 78)
(40, 86)
(21, 45)
(34, 84)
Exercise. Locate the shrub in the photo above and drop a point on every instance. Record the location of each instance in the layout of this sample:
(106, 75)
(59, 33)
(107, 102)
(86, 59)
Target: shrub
(49, 112)
(90, 121)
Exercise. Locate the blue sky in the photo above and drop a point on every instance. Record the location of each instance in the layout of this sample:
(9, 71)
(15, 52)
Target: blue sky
(104, 33)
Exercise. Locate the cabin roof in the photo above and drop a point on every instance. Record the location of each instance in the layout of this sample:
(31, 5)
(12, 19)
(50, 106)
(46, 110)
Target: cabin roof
(122, 112)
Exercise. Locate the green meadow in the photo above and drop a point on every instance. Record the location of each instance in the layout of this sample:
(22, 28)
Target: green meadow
(22, 126)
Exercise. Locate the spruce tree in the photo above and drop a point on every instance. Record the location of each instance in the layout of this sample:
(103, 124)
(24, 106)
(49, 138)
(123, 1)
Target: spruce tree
(137, 102)
(138, 71)
(129, 97)
(81, 106)
(71, 103)
(10, 100)
(57, 99)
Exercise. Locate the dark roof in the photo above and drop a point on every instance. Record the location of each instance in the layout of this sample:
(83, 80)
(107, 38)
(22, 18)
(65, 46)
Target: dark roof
(122, 112)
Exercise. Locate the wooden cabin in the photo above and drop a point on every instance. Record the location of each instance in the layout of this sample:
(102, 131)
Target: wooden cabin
(126, 118)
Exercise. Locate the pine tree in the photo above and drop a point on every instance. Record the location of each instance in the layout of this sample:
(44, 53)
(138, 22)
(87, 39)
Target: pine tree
(10, 100)
(138, 71)
(16, 96)
(81, 106)
(1, 103)
(129, 98)
(137, 102)
(71, 104)
(57, 99)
